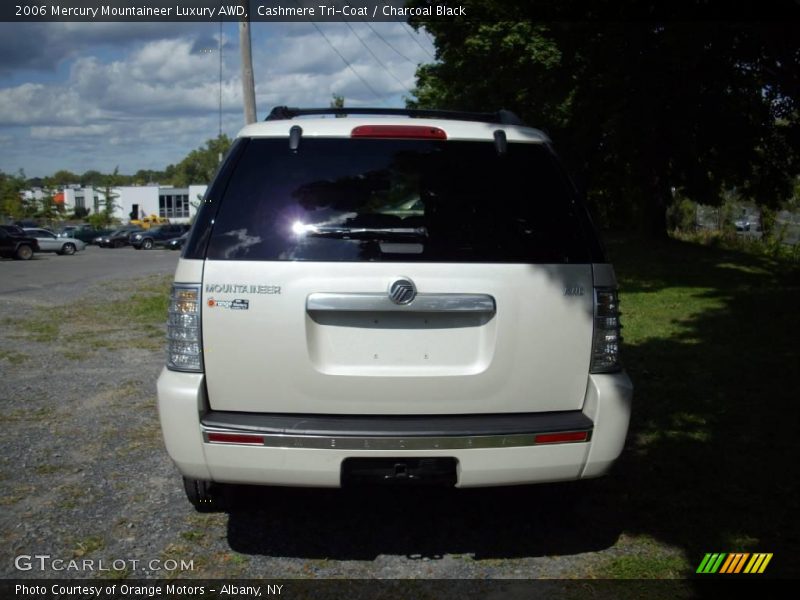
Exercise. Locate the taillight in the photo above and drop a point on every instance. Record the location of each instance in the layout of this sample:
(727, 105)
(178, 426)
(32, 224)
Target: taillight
(235, 438)
(561, 438)
(605, 347)
(416, 132)
(184, 352)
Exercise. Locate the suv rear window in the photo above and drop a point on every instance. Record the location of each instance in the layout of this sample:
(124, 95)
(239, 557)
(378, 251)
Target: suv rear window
(397, 200)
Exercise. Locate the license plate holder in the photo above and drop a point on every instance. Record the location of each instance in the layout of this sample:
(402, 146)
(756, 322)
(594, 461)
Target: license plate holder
(427, 471)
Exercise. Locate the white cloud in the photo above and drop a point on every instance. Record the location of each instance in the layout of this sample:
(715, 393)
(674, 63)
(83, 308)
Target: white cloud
(178, 83)
(44, 46)
(170, 62)
(302, 65)
(36, 103)
(69, 132)
(144, 96)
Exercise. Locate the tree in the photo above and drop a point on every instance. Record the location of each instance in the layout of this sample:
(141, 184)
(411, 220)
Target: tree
(11, 202)
(80, 212)
(108, 182)
(637, 108)
(337, 101)
(201, 164)
(91, 178)
(146, 176)
(47, 209)
(61, 178)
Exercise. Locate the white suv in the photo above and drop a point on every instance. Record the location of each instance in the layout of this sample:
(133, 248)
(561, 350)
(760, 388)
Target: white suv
(396, 296)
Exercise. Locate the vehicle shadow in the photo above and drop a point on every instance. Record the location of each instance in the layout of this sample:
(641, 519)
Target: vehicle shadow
(419, 523)
(361, 524)
(710, 464)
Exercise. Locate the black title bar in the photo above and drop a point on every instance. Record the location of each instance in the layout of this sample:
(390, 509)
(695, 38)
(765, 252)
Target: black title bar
(395, 10)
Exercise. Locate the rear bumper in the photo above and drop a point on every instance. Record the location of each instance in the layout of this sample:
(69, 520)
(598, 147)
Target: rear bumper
(296, 451)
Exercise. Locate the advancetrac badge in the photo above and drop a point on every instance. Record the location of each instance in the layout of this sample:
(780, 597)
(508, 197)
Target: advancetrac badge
(737, 562)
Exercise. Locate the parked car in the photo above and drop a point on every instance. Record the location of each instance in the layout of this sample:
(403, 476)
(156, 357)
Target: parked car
(50, 242)
(118, 238)
(392, 300)
(176, 243)
(157, 236)
(67, 230)
(13, 229)
(85, 233)
(13, 245)
(26, 223)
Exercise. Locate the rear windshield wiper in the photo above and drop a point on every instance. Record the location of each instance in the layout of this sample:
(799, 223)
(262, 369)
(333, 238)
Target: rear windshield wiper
(369, 233)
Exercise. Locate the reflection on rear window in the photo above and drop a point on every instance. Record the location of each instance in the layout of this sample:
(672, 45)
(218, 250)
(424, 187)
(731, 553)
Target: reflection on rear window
(396, 200)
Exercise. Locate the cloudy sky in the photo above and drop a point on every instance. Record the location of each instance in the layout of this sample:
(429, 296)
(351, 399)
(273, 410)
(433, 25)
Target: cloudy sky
(83, 96)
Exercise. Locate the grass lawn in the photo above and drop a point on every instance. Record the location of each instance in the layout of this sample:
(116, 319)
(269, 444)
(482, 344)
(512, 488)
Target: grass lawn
(138, 318)
(711, 465)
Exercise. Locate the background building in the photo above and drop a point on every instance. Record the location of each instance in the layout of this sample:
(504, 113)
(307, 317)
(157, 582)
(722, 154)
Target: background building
(134, 202)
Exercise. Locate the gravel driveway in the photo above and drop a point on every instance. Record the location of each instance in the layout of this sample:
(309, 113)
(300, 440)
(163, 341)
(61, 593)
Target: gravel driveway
(85, 474)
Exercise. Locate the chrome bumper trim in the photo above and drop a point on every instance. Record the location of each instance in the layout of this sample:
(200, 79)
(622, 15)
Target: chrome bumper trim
(273, 440)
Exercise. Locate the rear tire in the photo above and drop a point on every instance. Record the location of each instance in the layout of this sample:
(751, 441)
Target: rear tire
(205, 496)
(68, 249)
(24, 252)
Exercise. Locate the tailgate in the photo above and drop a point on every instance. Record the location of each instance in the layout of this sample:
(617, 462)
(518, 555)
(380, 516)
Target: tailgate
(304, 337)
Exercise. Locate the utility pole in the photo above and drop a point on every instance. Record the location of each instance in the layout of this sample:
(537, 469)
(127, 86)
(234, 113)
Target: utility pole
(248, 84)
(219, 135)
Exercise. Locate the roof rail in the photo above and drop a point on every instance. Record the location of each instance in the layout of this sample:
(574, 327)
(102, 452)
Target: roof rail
(505, 117)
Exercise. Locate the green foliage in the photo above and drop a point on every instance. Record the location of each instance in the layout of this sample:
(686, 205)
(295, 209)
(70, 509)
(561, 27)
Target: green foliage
(61, 177)
(47, 209)
(337, 101)
(729, 211)
(90, 178)
(768, 219)
(146, 176)
(636, 108)
(682, 215)
(201, 164)
(656, 564)
(109, 197)
(81, 212)
(11, 203)
(768, 246)
(98, 220)
(793, 203)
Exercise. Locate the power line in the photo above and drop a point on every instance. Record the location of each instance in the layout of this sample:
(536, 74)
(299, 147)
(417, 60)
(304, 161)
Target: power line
(383, 39)
(413, 37)
(375, 56)
(349, 66)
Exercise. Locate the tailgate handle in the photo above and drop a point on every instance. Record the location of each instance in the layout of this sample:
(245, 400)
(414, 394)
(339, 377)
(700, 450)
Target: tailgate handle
(460, 303)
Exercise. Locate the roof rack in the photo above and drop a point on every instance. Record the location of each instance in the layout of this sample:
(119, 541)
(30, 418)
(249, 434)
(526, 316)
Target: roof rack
(504, 117)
